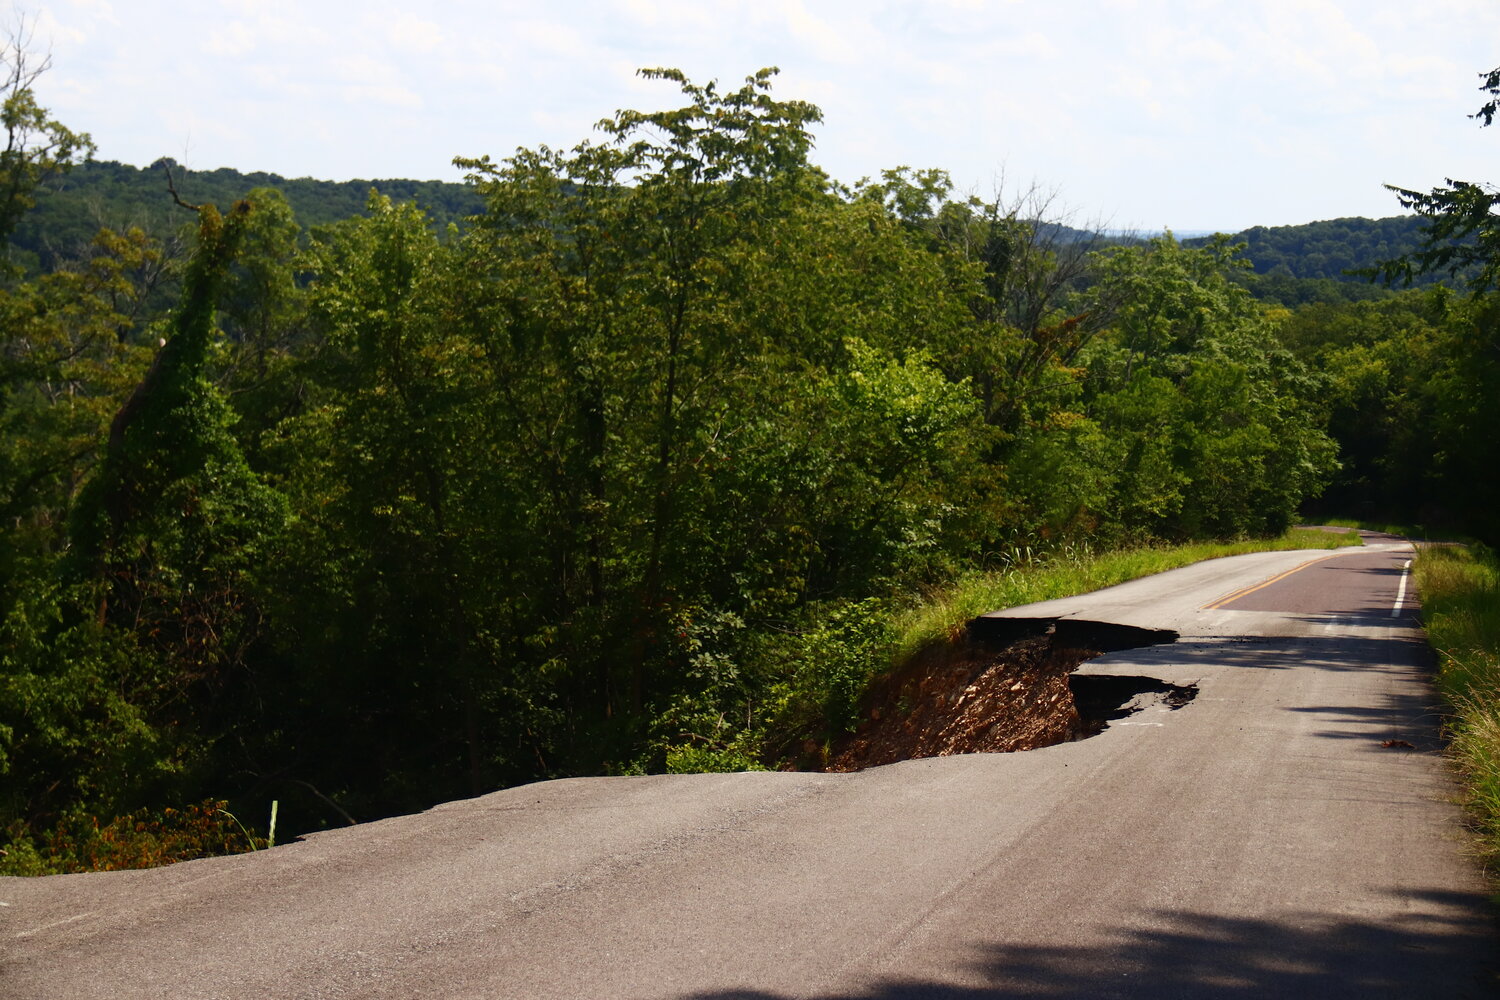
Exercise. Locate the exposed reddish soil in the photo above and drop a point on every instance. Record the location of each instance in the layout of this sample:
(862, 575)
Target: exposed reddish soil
(968, 697)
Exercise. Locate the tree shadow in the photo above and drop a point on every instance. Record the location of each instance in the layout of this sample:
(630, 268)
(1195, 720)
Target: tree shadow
(1409, 712)
(1449, 950)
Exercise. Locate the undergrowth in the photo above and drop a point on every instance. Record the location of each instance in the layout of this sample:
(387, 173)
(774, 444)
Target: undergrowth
(148, 838)
(1460, 591)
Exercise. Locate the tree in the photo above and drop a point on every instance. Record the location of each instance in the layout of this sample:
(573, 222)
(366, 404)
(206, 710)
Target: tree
(36, 144)
(173, 522)
(1211, 413)
(1462, 237)
(1463, 227)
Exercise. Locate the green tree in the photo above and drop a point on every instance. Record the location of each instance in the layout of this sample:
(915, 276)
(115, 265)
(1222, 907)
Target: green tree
(1462, 232)
(36, 144)
(172, 524)
(406, 575)
(1215, 418)
(1462, 238)
(73, 724)
(126, 623)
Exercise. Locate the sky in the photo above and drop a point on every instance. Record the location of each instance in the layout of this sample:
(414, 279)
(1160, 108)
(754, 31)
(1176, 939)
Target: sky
(1192, 115)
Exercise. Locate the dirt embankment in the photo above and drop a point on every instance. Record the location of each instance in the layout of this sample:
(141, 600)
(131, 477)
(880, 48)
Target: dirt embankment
(1004, 686)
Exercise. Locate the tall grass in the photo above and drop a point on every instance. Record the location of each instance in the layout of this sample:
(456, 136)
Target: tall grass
(1460, 592)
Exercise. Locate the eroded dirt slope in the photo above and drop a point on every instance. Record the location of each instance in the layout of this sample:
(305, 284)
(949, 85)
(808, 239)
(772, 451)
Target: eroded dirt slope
(968, 697)
(1003, 686)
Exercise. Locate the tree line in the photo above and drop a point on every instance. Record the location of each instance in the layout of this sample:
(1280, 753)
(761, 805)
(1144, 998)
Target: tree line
(622, 475)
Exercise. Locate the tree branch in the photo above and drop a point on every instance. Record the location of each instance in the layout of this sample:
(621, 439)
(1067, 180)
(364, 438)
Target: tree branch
(177, 198)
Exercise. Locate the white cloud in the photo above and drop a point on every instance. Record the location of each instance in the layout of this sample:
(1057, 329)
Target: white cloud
(389, 95)
(361, 68)
(47, 31)
(234, 39)
(414, 34)
(101, 9)
(1208, 50)
(845, 41)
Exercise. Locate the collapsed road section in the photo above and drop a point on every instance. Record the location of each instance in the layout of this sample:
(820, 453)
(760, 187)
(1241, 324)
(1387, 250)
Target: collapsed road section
(1005, 685)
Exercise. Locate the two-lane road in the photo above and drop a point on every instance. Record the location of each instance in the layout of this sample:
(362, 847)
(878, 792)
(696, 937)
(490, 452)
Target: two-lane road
(1258, 842)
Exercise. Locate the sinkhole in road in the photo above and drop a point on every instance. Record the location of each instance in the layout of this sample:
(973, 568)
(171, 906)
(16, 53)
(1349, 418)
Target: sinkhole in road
(1005, 685)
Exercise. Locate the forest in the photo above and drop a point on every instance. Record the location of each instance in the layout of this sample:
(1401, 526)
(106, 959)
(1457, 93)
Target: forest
(617, 459)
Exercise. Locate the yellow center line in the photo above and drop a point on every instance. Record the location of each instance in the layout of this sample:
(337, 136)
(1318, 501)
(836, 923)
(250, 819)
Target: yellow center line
(1247, 591)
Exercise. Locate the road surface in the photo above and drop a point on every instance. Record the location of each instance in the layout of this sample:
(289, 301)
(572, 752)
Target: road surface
(1257, 842)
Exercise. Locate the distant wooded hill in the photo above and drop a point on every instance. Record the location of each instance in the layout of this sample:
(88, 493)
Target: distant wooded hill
(1328, 249)
(1306, 263)
(72, 208)
(1292, 264)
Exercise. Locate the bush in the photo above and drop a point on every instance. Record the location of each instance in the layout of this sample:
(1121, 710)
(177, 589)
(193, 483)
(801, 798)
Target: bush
(142, 839)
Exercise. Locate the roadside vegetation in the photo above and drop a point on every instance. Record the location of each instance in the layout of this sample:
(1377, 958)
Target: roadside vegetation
(1459, 588)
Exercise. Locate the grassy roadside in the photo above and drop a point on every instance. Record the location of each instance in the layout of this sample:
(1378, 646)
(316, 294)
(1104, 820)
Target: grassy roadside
(1385, 527)
(1460, 592)
(1414, 531)
(1069, 572)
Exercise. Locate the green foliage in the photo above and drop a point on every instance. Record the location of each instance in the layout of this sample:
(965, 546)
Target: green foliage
(1282, 289)
(75, 725)
(829, 664)
(1403, 375)
(707, 760)
(120, 644)
(1210, 419)
(174, 517)
(37, 145)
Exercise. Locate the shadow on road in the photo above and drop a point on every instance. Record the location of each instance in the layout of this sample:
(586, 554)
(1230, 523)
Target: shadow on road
(1192, 955)
(1406, 709)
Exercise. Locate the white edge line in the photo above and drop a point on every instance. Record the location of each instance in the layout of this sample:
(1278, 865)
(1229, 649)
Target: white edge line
(1401, 591)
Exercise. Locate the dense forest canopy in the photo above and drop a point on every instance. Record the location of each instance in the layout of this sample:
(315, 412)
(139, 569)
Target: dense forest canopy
(1289, 265)
(338, 505)
(71, 207)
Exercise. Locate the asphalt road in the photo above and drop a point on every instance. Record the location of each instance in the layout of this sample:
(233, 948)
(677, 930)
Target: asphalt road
(1257, 842)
